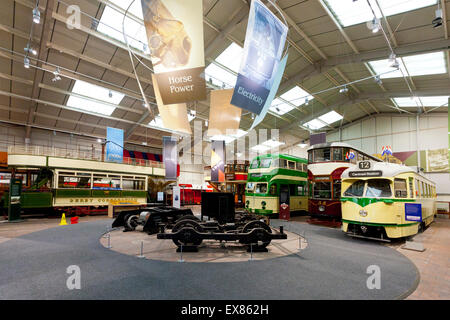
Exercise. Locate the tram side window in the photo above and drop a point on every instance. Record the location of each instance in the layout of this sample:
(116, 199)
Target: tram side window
(411, 191)
(356, 189)
(273, 189)
(250, 187)
(254, 164)
(400, 188)
(378, 188)
(301, 190)
(292, 190)
(422, 189)
(322, 190)
(291, 165)
(336, 189)
(282, 163)
(337, 154)
(132, 184)
(310, 157)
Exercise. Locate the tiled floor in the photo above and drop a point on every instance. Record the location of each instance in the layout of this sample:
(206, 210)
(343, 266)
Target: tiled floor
(433, 263)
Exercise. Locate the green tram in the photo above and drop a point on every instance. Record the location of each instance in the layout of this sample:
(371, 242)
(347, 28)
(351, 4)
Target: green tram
(274, 179)
(56, 182)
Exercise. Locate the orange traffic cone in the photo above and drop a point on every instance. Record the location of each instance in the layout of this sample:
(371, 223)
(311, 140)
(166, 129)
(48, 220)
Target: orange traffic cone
(63, 220)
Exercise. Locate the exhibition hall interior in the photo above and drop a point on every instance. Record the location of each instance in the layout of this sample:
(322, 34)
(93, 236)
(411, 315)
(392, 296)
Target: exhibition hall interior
(239, 152)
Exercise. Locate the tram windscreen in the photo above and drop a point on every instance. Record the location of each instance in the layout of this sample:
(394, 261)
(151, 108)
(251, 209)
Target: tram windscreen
(378, 188)
(254, 164)
(261, 188)
(265, 163)
(356, 189)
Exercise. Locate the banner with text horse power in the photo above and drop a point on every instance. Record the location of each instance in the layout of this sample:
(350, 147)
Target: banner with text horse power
(175, 38)
(263, 47)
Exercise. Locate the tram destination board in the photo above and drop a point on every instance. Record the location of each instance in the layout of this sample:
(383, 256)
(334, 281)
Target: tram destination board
(361, 174)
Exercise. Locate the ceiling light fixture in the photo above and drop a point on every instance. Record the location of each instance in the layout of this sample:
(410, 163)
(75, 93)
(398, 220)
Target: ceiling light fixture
(29, 49)
(26, 63)
(56, 75)
(374, 25)
(437, 22)
(343, 90)
(36, 15)
(378, 80)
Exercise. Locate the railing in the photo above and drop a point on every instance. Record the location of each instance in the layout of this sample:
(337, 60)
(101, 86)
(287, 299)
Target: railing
(77, 154)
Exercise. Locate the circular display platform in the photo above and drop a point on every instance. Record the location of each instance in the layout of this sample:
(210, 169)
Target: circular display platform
(129, 243)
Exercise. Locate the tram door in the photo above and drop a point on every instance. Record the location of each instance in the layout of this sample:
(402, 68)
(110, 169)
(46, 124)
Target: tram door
(284, 194)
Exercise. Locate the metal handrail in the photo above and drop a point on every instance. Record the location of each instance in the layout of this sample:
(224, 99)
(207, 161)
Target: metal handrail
(77, 154)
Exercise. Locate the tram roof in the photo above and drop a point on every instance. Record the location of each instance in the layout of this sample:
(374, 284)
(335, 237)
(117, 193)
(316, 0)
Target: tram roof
(280, 156)
(331, 144)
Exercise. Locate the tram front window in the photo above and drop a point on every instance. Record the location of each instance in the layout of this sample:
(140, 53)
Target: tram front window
(265, 163)
(356, 189)
(261, 188)
(378, 188)
(250, 187)
(322, 155)
(254, 164)
(322, 190)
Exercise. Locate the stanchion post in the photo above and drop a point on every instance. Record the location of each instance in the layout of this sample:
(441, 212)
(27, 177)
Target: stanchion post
(142, 250)
(109, 240)
(181, 254)
(251, 252)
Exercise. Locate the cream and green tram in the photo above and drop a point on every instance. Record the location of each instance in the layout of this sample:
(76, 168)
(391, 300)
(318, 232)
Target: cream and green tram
(384, 201)
(274, 179)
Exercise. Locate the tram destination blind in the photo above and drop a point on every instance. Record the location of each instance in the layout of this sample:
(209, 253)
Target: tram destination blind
(361, 174)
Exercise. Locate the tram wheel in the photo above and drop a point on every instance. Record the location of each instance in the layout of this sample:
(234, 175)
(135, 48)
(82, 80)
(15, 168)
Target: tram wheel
(188, 217)
(188, 237)
(261, 236)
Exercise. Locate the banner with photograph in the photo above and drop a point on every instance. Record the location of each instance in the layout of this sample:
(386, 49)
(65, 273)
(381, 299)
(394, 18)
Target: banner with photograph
(224, 118)
(174, 31)
(114, 145)
(174, 116)
(218, 161)
(263, 47)
(273, 91)
(170, 157)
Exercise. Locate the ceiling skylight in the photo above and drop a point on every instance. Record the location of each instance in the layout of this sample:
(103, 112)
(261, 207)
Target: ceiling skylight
(331, 117)
(231, 57)
(288, 100)
(435, 101)
(272, 143)
(95, 92)
(315, 124)
(219, 76)
(260, 148)
(229, 138)
(417, 65)
(111, 24)
(350, 12)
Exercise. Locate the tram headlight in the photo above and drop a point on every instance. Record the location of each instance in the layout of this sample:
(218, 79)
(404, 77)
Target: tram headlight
(321, 208)
(263, 205)
(247, 203)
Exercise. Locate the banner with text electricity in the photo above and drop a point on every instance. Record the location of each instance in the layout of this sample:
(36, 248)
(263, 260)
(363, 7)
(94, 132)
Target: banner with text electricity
(175, 38)
(170, 157)
(263, 47)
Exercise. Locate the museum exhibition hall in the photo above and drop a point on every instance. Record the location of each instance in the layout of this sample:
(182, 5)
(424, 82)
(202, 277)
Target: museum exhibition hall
(221, 156)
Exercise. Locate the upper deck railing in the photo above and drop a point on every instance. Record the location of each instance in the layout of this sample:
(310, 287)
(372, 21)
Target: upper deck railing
(77, 154)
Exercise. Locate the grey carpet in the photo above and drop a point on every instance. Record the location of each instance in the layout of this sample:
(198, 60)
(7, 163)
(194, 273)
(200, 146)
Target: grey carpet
(333, 266)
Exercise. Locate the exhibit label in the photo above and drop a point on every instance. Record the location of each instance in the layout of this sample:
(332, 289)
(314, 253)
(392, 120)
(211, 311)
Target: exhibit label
(175, 38)
(263, 47)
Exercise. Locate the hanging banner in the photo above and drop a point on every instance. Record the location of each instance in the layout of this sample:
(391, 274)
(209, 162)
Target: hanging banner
(218, 161)
(224, 118)
(170, 157)
(176, 197)
(174, 116)
(273, 91)
(114, 145)
(175, 38)
(263, 47)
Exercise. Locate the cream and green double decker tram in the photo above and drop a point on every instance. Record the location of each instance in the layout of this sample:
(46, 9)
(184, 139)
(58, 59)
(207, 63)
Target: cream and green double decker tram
(274, 179)
(385, 200)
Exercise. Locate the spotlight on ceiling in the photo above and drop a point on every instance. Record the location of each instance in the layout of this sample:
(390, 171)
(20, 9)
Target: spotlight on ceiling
(343, 90)
(26, 63)
(395, 64)
(30, 49)
(36, 15)
(437, 22)
(306, 101)
(110, 94)
(206, 123)
(253, 116)
(56, 75)
(374, 25)
(377, 79)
